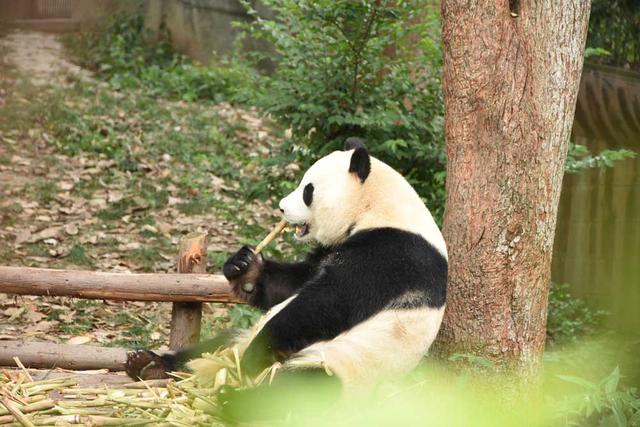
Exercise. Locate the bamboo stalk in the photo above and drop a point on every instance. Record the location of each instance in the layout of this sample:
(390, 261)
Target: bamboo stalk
(149, 383)
(274, 232)
(19, 416)
(32, 407)
(24, 370)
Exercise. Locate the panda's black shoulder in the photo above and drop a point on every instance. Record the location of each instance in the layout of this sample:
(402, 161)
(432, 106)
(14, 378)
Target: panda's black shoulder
(391, 241)
(318, 254)
(390, 262)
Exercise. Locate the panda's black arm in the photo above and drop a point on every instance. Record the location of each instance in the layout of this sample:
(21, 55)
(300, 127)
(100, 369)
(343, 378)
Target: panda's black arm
(279, 281)
(273, 282)
(318, 313)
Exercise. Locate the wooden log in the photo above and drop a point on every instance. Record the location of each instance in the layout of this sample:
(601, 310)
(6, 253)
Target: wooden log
(186, 317)
(116, 286)
(51, 355)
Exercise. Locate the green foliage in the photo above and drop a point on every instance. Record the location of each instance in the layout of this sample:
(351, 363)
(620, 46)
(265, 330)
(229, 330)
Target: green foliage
(595, 52)
(614, 27)
(604, 403)
(569, 318)
(368, 69)
(129, 55)
(579, 158)
(243, 316)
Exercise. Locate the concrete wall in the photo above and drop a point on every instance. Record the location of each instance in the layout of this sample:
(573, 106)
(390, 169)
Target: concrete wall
(89, 13)
(200, 28)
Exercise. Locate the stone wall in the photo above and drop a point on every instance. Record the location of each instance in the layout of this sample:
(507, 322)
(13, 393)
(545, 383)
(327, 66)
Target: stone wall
(200, 28)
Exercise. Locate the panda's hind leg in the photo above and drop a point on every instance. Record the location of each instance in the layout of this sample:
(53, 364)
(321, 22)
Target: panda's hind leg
(146, 365)
(300, 392)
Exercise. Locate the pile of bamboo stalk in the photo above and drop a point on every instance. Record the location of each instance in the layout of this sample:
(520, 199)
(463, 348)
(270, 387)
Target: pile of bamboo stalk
(186, 400)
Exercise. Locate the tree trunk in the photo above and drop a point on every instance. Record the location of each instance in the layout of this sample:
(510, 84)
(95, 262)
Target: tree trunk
(511, 75)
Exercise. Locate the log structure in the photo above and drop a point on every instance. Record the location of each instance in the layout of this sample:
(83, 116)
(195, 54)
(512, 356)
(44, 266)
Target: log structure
(187, 292)
(187, 316)
(116, 286)
(51, 355)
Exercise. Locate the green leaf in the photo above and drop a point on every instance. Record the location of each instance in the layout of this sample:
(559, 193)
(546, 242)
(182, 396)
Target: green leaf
(578, 381)
(621, 419)
(611, 382)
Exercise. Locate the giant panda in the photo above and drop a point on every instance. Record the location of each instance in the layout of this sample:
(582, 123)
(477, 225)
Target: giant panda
(366, 303)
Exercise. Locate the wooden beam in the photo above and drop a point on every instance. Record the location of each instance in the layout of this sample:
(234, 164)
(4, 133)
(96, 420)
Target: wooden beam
(51, 355)
(116, 286)
(186, 317)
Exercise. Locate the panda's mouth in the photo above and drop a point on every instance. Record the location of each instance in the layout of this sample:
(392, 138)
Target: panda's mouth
(302, 230)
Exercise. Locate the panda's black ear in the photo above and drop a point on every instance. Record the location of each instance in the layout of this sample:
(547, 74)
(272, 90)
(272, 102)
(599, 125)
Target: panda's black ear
(353, 142)
(360, 163)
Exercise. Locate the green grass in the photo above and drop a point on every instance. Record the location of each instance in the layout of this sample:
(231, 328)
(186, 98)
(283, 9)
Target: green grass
(9, 213)
(45, 191)
(37, 249)
(78, 256)
(145, 257)
(115, 211)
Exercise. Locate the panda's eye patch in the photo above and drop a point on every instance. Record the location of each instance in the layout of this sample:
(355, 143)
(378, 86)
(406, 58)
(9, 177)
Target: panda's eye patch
(307, 194)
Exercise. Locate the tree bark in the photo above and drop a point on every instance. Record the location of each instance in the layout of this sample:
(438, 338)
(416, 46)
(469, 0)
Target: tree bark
(511, 75)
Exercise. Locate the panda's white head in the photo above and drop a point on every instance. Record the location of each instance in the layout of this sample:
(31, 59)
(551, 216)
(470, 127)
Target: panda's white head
(327, 202)
(347, 191)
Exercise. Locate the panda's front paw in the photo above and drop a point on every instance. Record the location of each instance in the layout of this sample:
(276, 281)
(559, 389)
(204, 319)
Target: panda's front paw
(243, 270)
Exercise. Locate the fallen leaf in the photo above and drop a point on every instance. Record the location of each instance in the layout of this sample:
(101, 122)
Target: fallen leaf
(65, 186)
(47, 233)
(34, 316)
(22, 236)
(114, 196)
(13, 312)
(82, 339)
(98, 203)
(150, 228)
(71, 229)
(41, 326)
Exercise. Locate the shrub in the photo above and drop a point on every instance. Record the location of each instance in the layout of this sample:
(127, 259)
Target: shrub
(568, 317)
(128, 54)
(604, 403)
(369, 69)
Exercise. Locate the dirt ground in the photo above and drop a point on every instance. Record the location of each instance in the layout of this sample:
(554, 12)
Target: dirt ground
(49, 219)
(40, 58)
